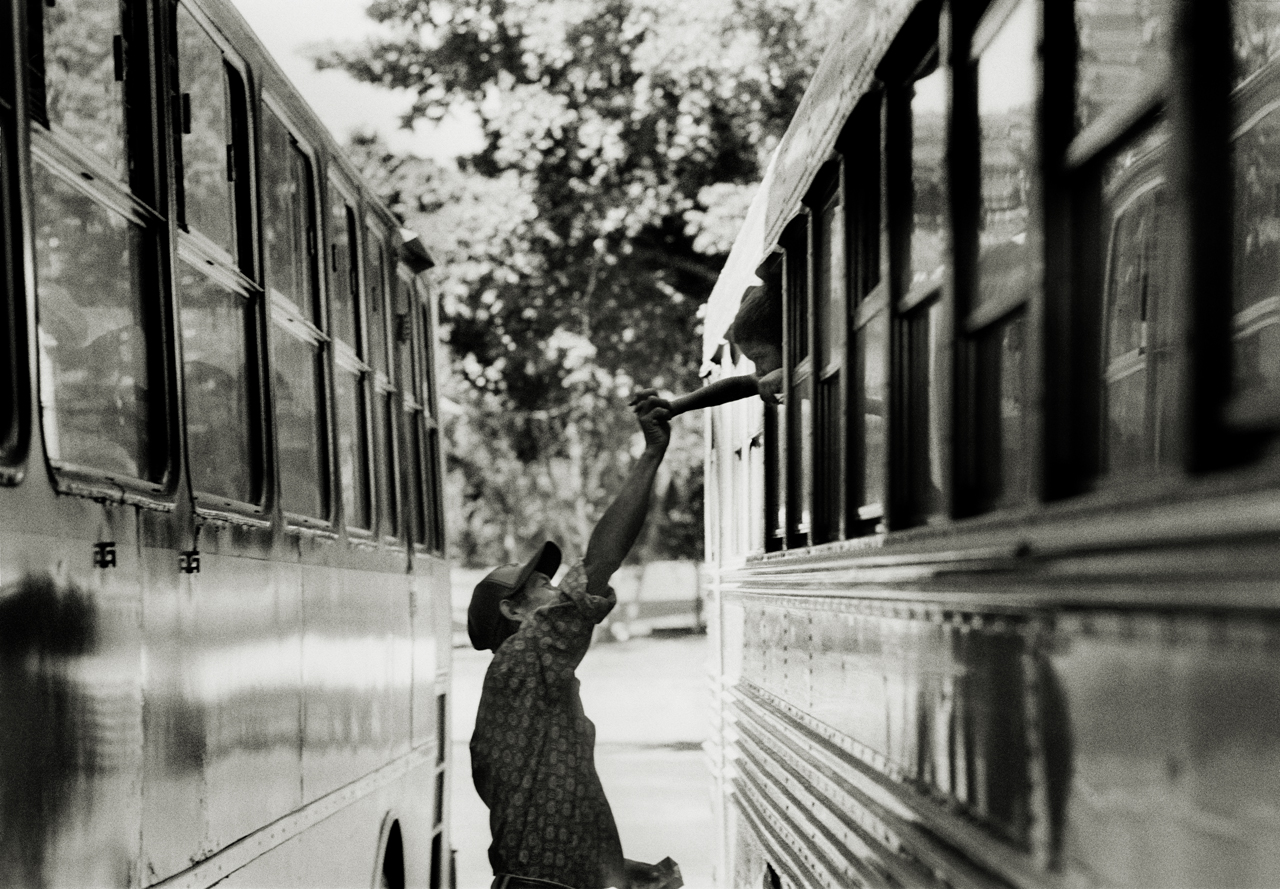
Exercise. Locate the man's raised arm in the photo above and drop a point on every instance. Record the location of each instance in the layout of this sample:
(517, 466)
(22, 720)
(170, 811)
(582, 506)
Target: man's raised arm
(619, 527)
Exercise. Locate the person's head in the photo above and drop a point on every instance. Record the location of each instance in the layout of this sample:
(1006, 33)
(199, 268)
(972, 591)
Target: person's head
(757, 329)
(508, 595)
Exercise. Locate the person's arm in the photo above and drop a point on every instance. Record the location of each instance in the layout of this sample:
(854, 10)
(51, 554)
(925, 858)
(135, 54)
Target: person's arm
(719, 392)
(619, 527)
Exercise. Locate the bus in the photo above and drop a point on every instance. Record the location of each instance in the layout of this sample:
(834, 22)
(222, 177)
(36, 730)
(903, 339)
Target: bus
(994, 593)
(224, 602)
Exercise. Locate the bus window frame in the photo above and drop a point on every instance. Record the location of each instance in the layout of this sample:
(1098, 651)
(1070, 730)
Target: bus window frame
(351, 358)
(236, 274)
(919, 52)
(389, 520)
(284, 313)
(15, 417)
(140, 196)
(796, 243)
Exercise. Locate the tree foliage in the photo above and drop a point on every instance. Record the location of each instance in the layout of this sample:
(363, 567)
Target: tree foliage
(622, 139)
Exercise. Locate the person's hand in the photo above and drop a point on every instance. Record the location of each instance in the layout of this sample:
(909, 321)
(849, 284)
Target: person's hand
(649, 399)
(770, 387)
(654, 414)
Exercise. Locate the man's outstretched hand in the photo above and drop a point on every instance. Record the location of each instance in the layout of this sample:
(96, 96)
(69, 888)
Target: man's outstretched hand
(654, 414)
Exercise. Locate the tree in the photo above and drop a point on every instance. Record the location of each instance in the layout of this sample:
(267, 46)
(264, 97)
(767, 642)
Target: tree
(622, 139)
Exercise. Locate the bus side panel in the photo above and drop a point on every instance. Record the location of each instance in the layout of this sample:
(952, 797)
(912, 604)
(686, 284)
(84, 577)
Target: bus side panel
(1123, 748)
(70, 737)
(432, 623)
(309, 859)
(357, 682)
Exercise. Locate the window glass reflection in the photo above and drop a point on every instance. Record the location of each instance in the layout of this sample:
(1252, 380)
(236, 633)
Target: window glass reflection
(385, 463)
(928, 198)
(299, 427)
(830, 295)
(206, 187)
(286, 222)
(924, 411)
(1123, 52)
(1006, 84)
(1137, 328)
(83, 97)
(216, 376)
(1256, 174)
(95, 387)
(377, 278)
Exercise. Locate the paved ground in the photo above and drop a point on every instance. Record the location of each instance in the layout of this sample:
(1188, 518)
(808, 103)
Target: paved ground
(648, 699)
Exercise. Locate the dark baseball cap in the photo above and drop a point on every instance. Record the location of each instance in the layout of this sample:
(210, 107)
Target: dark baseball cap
(485, 624)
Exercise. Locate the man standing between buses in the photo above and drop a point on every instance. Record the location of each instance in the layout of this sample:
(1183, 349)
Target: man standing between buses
(533, 750)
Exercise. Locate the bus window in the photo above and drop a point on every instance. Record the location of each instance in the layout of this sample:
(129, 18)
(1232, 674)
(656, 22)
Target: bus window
(12, 437)
(216, 305)
(433, 487)
(84, 98)
(407, 343)
(351, 373)
(386, 445)
(799, 397)
(1256, 241)
(1005, 54)
(919, 109)
(298, 343)
(868, 322)
(830, 323)
(1122, 252)
(102, 380)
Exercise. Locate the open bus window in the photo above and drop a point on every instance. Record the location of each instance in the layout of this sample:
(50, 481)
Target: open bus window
(799, 391)
(298, 342)
(1256, 191)
(96, 389)
(1007, 271)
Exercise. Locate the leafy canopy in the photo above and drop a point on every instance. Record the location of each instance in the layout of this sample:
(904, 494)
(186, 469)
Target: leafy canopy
(622, 140)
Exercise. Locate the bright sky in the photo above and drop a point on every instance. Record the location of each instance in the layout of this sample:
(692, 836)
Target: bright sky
(290, 27)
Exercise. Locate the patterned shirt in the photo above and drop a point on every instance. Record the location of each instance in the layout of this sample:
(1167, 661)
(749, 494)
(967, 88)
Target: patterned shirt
(533, 750)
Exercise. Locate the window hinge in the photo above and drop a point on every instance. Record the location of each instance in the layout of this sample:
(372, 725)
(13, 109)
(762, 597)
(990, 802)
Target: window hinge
(117, 48)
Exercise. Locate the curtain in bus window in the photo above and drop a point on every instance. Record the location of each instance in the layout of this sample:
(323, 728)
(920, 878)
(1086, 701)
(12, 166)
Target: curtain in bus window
(1123, 53)
(220, 424)
(1137, 336)
(286, 223)
(299, 423)
(95, 386)
(1006, 104)
(353, 447)
(207, 189)
(85, 100)
(928, 191)
(1256, 168)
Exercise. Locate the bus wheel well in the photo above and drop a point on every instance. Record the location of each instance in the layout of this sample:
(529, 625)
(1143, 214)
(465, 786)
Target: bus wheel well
(392, 871)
